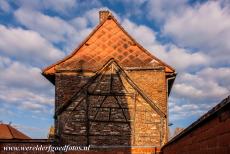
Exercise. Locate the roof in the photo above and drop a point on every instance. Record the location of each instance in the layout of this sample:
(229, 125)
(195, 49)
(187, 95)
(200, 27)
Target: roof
(8, 132)
(101, 79)
(210, 114)
(108, 40)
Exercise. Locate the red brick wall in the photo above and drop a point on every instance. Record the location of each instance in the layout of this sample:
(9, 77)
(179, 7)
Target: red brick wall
(210, 137)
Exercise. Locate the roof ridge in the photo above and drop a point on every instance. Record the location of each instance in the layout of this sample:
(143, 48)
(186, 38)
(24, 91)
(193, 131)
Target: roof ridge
(139, 45)
(92, 33)
(9, 128)
(76, 49)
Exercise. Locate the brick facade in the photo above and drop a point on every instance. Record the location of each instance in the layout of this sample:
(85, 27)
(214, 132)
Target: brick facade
(119, 116)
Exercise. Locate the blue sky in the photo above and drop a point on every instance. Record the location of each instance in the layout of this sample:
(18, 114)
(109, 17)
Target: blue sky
(192, 36)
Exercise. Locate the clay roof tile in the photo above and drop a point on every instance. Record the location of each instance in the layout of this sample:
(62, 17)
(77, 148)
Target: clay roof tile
(8, 132)
(108, 40)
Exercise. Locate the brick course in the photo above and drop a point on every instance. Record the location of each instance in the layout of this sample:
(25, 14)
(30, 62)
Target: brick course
(145, 127)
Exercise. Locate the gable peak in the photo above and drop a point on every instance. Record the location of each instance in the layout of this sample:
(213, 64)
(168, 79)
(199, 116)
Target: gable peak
(103, 15)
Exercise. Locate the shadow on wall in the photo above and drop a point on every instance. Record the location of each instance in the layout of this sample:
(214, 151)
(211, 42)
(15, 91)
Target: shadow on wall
(99, 113)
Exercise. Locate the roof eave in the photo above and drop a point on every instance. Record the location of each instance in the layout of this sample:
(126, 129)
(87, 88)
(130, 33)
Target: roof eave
(50, 77)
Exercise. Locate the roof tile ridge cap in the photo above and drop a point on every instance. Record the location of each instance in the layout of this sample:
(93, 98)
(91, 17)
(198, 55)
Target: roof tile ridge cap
(139, 45)
(76, 49)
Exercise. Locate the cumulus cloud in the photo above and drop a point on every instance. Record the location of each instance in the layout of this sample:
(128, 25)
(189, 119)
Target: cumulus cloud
(205, 27)
(79, 22)
(183, 111)
(142, 33)
(58, 6)
(25, 100)
(179, 58)
(16, 74)
(52, 28)
(221, 75)
(202, 85)
(27, 46)
(15, 96)
(23, 86)
(160, 10)
(32, 106)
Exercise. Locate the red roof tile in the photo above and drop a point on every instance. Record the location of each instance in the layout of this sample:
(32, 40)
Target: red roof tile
(108, 40)
(8, 132)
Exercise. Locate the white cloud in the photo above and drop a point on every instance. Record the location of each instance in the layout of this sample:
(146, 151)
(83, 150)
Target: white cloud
(142, 33)
(79, 22)
(68, 33)
(60, 5)
(17, 95)
(55, 29)
(188, 110)
(57, 5)
(160, 10)
(24, 86)
(32, 106)
(27, 46)
(66, 7)
(199, 86)
(221, 75)
(52, 28)
(4, 62)
(16, 74)
(179, 58)
(205, 27)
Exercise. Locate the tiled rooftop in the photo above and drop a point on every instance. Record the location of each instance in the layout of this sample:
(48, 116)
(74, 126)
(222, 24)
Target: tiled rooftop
(108, 40)
(8, 132)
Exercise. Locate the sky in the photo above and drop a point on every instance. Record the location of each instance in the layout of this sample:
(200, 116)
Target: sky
(191, 36)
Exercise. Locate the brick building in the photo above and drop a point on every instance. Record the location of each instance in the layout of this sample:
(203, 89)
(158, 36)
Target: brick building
(111, 92)
(209, 134)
